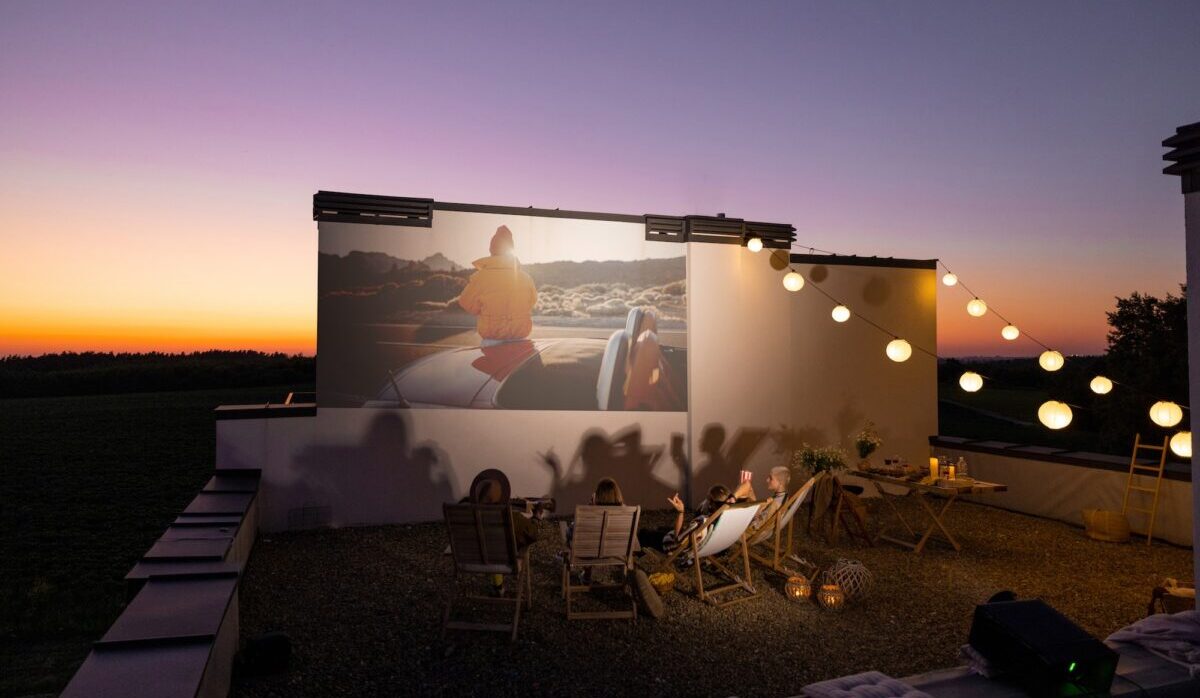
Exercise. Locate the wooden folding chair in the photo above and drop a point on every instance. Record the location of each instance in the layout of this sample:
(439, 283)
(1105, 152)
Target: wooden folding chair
(724, 529)
(482, 542)
(604, 538)
(770, 530)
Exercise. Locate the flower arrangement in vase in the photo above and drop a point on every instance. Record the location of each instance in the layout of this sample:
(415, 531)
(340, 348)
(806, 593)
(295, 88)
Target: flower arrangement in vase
(818, 459)
(866, 441)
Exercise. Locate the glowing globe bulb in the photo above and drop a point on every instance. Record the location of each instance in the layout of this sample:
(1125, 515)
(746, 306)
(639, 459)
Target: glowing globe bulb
(970, 381)
(1054, 414)
(899, 350)
(1010, 332)
(792, 281)
(1166, 414)
(754, 244)
(840, 313)
(1050, 360)
(1101, 385)
(949, 279)
(1181, 444)
(976, 308)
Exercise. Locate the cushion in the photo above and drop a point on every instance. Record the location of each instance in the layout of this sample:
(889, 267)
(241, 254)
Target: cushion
(869, 684)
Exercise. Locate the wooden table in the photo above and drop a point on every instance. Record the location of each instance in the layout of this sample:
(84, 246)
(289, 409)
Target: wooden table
(925, 492)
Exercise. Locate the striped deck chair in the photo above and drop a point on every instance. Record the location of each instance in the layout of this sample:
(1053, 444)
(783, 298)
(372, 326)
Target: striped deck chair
(770, 530)
(723, 530)
(482, 542)
(604, 536)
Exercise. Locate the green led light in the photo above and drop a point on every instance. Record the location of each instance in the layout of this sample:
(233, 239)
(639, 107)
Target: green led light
(1071, 668)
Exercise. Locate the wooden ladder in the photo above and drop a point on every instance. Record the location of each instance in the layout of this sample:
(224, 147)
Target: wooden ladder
(1155, 471)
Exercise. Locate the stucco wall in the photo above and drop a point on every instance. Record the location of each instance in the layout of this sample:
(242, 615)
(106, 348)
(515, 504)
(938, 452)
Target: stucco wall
(766, 359)
(1062, 491)
(760, 359)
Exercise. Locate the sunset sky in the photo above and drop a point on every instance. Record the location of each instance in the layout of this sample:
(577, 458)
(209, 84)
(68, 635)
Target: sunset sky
(157, 160)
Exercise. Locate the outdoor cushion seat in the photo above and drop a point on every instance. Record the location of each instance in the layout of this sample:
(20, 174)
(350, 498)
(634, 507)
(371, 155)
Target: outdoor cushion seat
(869, 684)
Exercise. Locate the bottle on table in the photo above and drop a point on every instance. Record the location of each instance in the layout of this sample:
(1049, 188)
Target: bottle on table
(961, 468)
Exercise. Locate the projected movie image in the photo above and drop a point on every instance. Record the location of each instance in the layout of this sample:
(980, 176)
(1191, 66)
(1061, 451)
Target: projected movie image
(501, 312)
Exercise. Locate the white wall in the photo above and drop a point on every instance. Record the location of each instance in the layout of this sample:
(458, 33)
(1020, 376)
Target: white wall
(1192, 226)
(1062, 491)
(371, 466)
(762, 358)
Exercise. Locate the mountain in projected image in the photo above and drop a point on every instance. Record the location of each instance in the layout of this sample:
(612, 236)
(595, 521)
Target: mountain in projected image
(375, 287)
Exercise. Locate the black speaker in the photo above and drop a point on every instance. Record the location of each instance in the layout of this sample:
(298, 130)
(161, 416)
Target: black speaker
(1041, 649)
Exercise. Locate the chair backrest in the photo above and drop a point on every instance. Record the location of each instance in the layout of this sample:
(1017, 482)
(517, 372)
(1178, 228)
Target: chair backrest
(726, 527)
(611, 380)
(604, 532)
(798, 498)
(481, 538)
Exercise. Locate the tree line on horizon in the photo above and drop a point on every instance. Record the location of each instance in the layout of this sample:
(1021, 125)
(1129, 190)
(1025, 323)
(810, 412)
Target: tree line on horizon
(97, 373)
(1146, 355)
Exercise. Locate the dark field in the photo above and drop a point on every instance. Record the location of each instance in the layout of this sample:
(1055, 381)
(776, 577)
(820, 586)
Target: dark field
(88, 484)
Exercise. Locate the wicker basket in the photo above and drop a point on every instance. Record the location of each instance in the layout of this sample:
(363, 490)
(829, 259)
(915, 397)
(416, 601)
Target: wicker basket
(662, 582)
(1102, 524)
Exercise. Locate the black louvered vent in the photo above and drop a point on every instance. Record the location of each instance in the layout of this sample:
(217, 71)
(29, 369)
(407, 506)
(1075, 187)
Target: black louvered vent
(368, 208)
(774, 235)
(716, 229)
(666, 228)
(1185, 156)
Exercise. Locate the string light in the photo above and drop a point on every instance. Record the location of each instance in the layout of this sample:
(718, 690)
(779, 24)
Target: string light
(970, 381)
(1054, 414)
(1051, 360)
(899, 350)
(1181, 444)
(1166, 414)
(754, 244)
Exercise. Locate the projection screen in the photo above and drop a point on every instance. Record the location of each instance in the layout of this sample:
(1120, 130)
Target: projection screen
(489, 310)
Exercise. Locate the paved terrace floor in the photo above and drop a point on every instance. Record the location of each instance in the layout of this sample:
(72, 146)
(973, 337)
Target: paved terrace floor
(363, 607)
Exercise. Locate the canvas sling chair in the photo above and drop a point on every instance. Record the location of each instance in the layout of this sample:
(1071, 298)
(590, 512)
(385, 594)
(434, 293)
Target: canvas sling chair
(770, 532)
(723, 530)
(603, 539)
(483, 542)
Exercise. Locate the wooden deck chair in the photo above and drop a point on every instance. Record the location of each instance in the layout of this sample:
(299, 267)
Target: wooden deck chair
(604, 537)
(482, 542)
(723, 530)
(770, 530)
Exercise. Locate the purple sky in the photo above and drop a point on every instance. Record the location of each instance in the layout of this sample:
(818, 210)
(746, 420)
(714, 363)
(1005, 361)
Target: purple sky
(158, 163)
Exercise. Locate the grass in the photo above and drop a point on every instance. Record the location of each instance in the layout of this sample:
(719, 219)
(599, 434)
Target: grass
(89, 483)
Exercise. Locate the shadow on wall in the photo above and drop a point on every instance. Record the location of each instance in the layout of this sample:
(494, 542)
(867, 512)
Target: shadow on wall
(875, 292)
(721, 459)
(365, 483)
(622, 457)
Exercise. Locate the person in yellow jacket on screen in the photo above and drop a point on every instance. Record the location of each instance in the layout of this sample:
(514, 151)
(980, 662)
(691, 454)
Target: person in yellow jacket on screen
(500, 294)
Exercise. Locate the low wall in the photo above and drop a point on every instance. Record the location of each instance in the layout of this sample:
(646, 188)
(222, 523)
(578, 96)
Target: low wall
(1060, 484)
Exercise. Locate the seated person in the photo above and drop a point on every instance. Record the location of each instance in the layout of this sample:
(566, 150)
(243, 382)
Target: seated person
(670, 539)
(491, 487)
(607, 494)
(777, 488)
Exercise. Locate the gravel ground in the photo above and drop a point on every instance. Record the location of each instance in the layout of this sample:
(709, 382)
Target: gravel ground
(363, 608)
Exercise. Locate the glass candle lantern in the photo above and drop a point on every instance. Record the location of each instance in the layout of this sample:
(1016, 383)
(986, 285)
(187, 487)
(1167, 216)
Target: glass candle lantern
(798, 588)
(831, 597)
